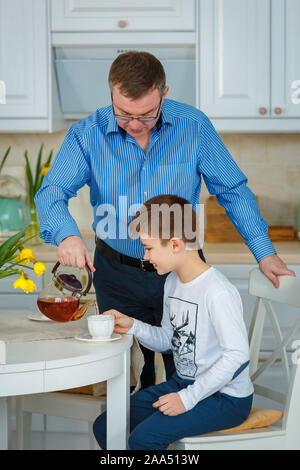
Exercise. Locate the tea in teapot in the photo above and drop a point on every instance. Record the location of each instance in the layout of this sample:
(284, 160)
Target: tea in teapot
(61, 311)
(59, 301)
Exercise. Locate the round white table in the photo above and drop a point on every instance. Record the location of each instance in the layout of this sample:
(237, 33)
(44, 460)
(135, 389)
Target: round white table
(52, 365)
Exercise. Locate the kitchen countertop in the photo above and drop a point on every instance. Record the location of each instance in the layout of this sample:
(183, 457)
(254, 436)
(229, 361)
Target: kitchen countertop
(238, 253)
(215, 253)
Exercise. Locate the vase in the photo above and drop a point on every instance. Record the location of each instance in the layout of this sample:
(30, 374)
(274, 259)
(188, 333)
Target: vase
(14, 213)
(33, 229)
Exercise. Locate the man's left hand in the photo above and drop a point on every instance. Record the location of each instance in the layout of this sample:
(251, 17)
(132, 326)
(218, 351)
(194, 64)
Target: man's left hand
(272, 267)
(170, 404)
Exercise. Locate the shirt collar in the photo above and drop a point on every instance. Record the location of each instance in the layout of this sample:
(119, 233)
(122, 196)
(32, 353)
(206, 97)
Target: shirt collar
(112, 127)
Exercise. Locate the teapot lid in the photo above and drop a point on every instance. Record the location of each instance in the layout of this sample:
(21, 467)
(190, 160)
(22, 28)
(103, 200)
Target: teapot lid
(69, 282)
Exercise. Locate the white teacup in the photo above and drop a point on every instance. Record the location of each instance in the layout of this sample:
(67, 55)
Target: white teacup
(101, 326)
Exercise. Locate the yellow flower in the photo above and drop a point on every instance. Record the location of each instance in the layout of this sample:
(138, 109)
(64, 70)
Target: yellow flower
(39, 268)
(25, 257)
(27, 285)
(45, 170)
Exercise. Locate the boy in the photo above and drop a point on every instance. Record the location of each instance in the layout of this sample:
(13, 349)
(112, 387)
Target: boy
(203, 325)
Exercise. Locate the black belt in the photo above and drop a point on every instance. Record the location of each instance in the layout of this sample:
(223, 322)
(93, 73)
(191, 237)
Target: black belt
(109, 252)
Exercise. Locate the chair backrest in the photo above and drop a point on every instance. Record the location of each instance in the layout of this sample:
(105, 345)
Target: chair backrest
(287, 293)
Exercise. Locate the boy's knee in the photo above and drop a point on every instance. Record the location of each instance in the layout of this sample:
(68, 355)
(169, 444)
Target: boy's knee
(143, 440)
(99, 430)
(134, 442)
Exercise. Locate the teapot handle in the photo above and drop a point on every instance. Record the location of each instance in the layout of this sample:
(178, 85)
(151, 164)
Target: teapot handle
(90, 277)
(90, 280)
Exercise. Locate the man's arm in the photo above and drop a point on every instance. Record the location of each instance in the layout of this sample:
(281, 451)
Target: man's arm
(69, 172)
(223, 178)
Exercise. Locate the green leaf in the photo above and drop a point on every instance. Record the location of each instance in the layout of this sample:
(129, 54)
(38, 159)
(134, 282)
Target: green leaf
(9, 245)
(38, 168)
(8, 273)
(4, 158)
(48, 161)
(29, 178)
(24, 266)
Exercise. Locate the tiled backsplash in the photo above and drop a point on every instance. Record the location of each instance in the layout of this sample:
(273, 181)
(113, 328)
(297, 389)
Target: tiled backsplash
(270, 161)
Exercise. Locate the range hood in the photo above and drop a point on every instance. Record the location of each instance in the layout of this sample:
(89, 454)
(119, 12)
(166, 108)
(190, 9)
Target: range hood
(82, 73)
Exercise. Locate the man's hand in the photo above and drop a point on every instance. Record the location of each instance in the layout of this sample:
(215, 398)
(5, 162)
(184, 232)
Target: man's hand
(72, 251)
(170, 404)
(123, 323)
(272, 266)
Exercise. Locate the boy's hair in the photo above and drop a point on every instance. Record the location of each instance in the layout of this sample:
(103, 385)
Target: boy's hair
(164, 217)
(137, 73)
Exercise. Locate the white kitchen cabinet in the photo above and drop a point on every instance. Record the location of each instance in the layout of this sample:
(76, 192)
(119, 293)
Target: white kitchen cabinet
(248, 61)
(25, 68)
(234, 57)
(23, 52)
(117, 15)
(285, 59)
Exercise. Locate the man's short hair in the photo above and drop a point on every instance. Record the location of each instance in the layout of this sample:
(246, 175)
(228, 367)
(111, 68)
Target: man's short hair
(137, 73)
(164, 217)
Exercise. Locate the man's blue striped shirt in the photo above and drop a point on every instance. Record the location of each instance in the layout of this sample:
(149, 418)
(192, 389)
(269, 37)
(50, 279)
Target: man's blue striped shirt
(183, 147)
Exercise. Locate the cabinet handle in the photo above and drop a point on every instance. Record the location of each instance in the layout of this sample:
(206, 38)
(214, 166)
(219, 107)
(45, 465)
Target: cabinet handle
(277, 110)
(262, 110)
(122, 24)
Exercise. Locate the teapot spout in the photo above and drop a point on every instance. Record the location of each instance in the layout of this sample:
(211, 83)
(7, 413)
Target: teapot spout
(81, 311)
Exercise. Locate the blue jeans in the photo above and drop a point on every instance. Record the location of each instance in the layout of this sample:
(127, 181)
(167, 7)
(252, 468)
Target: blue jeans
(152, 430)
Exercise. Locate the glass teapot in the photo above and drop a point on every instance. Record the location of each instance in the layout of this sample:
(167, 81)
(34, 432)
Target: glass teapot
(59, 301)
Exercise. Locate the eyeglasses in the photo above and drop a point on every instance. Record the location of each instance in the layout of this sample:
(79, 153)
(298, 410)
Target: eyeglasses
(144, 120)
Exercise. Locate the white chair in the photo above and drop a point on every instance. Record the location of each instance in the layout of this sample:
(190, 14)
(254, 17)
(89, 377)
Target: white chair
(284, 434)
(64, 405)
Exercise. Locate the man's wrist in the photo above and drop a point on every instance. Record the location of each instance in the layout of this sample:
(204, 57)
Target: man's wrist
(261, 247)
(71, 236)
(64, 232)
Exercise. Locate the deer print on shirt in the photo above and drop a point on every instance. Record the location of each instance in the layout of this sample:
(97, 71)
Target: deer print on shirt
(183, 318)
(182, 341)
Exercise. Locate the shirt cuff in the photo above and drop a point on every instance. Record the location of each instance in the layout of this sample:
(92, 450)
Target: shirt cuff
(261, 247)
(65, 231)
(135, 328)
(185, 400)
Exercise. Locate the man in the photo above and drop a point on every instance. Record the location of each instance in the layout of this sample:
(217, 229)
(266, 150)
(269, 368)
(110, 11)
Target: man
(140, 146)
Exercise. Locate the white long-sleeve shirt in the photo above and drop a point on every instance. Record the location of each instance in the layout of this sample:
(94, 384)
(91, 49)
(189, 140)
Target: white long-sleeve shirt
(203, 325)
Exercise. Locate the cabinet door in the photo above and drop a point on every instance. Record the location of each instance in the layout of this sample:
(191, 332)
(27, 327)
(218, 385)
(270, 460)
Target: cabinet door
(23, 58)
(234, 46)
(285, 58)
(117, 15)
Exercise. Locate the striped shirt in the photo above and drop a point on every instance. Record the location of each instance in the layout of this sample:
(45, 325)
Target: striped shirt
(183, 147)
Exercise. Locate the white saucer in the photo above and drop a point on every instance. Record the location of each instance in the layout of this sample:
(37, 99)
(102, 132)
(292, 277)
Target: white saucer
(38, 317)
(89, 339)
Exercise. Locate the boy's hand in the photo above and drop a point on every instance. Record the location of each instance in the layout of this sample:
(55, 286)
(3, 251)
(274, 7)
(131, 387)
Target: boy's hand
(123, 323)
(170, 404)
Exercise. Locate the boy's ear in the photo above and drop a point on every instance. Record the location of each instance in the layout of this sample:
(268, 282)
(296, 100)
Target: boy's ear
(177, 244)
